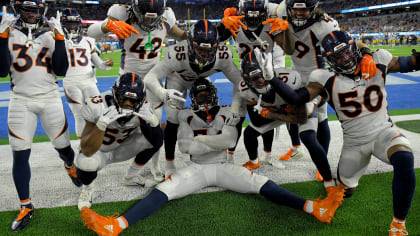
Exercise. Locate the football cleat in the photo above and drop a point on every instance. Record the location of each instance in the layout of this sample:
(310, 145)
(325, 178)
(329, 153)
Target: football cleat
(266, 158)
(71, 171)
(318, 176)
(229, 157)
(140, 181)
(397, 229)
(85, 198)
(102, 225)
(294, 152)
(324, 209)
(250, 166)
(23, 218)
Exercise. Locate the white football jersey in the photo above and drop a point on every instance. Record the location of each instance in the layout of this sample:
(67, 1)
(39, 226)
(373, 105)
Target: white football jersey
(80, 60)
(31, 71)
(115, 133)
(361, 105)
(307, 55)
(134, 55)
(202, 127)
(176, 60)
(272, 100)
(245, 42)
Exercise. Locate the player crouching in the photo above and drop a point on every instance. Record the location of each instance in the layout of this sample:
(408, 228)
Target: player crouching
(205, 136)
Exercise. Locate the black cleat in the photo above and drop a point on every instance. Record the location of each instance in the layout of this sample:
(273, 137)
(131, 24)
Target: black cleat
(25, 215)
(73, 175)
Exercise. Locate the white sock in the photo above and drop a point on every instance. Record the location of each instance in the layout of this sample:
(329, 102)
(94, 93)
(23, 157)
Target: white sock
(330, 183)
(254, 161)
(133, 170)
(122, 223)
(170, 165)
(399, 221)
(309, 206)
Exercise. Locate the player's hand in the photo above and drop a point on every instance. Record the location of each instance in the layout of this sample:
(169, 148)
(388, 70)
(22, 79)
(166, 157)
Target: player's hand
(109, 115)
(173, 97)
(231, 11)
(265, 111)
(367, 67)
(120, 28)
(266, 63)
(146, 113)
(233, 119)
(258, 107)
(232, 23)
(277, 25)
(7, 23)
(55, 26)
(109, 62)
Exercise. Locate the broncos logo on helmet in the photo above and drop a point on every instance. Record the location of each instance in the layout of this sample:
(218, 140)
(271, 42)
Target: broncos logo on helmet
(203, 42)
(128, 86)
(149, 13)
(30, 12)
(203, 95)
(253, 75)
(71, 22)
(301, 13)
(255, 12)
(341, 52)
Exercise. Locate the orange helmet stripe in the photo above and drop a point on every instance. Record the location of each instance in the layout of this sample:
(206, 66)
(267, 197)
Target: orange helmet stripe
(151, 3)
(332, 35)
(134, 76)
(206, 25)
(250, 56)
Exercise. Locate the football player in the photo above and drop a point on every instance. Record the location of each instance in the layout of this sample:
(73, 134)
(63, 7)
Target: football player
(266, 109)
(33, 58)
(80, 80)
(205, 135)
(362, 108)
(254, 34)
(200, 56)
(118, 127)
(142, 28)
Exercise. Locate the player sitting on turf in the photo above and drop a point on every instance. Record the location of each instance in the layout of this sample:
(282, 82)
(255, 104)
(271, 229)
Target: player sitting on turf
(205, 136)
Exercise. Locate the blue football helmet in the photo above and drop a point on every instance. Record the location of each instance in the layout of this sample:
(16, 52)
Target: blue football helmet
(129, 86)
(341, 52)
(31, 13)
(199, 100)
(255, 12)
(71, 22)
(149, 13)
(253, 75)
(203, 42)
(300, 22)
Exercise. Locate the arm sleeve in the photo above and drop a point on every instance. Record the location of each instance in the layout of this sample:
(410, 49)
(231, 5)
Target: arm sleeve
(60, 62)
(156, 75)
(5, 57)
(98, 62)
(153, 134)
(298, 97)
(234, 75)
(227, 139)
(186, 143)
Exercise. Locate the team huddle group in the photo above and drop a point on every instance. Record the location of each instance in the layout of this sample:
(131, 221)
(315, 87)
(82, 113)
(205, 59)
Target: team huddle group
(126, 123)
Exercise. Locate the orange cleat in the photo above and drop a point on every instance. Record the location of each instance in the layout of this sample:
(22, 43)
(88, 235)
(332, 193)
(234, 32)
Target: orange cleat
(397, 229)
(324, 210)
(250, 166)
(294, 152)
(71, 171)
(318, 176)
(102, 225)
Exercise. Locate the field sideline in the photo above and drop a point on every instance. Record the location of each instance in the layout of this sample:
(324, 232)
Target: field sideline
(368, 212)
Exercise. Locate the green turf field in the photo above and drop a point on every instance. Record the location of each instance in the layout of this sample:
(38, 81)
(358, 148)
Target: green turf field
(367, 212)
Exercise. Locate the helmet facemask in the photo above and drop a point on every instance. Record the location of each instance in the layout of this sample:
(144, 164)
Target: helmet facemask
(204, 97)
(255, 80)
(254, 14)
(129, 93)
(204, 53)
(345, 58)
(30, 13)
(300, 14)
(72, 26)
(149, 16)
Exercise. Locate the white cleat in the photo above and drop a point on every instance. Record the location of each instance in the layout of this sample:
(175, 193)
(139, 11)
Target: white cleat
(139, 181)
(276, 163)
(86, 196)
(265, 158)
(298, 153)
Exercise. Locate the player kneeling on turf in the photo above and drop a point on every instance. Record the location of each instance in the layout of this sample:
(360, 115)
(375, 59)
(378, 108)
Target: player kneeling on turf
(205, 135)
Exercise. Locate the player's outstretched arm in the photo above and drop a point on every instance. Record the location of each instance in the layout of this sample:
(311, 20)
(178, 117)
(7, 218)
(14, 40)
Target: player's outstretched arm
(101, 65)
(292, 114)
(405, 64)
(60, 62)
(178, 33)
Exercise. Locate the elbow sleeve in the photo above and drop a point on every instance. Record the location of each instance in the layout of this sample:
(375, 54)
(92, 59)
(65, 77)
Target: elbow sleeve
(298, 97)
(60, 63)
(5, 57)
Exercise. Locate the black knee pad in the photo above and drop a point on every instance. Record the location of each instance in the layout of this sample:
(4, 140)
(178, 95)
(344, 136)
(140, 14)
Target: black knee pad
(87, 177)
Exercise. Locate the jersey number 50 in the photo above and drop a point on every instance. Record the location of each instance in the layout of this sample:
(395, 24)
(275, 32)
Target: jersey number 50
(357, 106)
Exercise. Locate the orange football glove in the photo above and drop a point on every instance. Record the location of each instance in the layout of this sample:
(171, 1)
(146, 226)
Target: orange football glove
(231, 11)
(120, 28)
(232, 23)
(368, 67)
(265, 111)
(277, 25)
